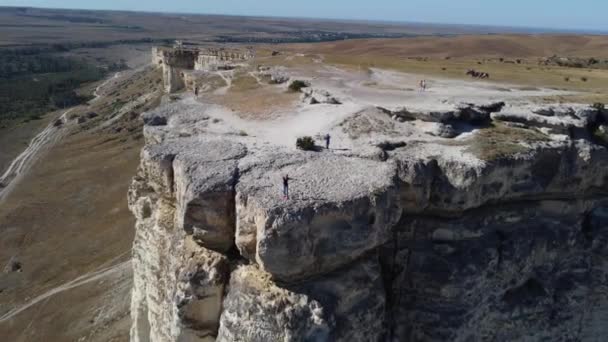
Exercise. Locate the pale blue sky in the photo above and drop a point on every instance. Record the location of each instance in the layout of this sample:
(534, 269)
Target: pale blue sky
(562, 14)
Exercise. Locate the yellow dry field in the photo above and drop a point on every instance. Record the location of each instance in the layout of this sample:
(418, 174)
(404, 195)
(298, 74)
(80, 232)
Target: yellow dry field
(68, 218)
(468, 46)
(253, 99)
(452, 57)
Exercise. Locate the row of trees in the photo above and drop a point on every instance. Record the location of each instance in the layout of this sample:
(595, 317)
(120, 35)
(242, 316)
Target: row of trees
(32, 85)
(15, 65)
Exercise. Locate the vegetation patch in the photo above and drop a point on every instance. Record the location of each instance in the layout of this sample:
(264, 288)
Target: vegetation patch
(244, 82)
(499, 141)
(306, 144)
(34, 84)
(297, 86)
(600, 135)
(391, 146)
(32, 118)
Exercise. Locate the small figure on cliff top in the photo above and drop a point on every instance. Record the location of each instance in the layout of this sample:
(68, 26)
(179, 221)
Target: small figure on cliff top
(327, 140)
(286, 180)
(422, 85)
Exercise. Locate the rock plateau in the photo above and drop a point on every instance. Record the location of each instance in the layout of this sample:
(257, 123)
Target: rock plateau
(404, 236)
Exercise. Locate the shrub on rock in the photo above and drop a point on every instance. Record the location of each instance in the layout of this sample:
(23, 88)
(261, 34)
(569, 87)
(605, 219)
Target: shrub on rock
(600, 135)
(297, 85)
(306, 144)
(391, 146)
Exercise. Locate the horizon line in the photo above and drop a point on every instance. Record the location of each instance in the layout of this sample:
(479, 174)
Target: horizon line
(540, 30)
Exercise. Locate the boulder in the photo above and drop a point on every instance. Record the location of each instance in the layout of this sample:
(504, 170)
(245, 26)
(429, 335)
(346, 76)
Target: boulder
(446, 131)
(315, 96)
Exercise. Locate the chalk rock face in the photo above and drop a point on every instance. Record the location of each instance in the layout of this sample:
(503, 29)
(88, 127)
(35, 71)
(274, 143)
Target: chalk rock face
(426, 243)
(338, 213)
(182, 199)
(525, 274)
(204, 190)
(315, 310)
(560, 170)
(256, 309)
(568, 120)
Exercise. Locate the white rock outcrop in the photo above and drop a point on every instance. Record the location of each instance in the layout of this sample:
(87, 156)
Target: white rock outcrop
(393, 241)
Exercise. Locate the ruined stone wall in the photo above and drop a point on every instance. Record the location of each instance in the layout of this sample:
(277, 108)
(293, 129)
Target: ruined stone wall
(212, 59)
(175, 64)
(173, 78)
(207, 63)
(178, 62)
(157, 56)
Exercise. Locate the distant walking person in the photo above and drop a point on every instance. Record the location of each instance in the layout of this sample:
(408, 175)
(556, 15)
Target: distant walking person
(327, 141)
(286, 180)
(195, 91)
(423, 85)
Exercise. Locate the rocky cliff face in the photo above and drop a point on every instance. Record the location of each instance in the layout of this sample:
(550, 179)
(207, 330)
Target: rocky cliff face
(387, 244)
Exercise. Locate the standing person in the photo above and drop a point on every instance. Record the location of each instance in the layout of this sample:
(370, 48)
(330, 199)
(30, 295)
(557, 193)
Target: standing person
(423, 83)
(195, 91)
(286, 186)
(327, 140)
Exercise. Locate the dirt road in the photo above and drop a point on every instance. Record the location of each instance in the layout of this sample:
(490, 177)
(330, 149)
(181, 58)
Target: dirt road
(44, 139)
(84, 279)
(50, 135)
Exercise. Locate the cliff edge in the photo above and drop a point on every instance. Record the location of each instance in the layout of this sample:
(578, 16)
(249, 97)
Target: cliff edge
(398, 232)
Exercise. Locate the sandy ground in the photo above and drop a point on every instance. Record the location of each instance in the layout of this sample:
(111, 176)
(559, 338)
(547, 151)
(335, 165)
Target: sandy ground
(357, 91)
(392, 89)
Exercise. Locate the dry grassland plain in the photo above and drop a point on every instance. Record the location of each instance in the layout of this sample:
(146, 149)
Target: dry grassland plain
(512, 59)
(68, 218)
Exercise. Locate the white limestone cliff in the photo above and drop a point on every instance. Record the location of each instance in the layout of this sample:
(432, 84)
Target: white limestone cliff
(401, 248)
(421, 227)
